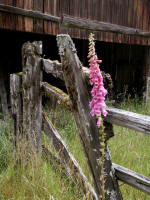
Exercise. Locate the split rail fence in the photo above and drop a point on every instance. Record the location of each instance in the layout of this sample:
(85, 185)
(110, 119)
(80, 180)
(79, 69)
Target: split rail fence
(27, 89)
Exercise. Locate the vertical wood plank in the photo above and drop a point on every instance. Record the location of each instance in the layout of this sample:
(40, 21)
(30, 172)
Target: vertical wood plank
(20, 26)
(28, 5)
(16, 106)
(38, 23)
(31, 92)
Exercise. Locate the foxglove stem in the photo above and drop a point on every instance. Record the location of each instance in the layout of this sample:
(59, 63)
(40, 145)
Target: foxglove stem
(97, 104)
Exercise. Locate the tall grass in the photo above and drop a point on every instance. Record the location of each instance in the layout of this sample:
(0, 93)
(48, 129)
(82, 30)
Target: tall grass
(39, 181)
(43, 181)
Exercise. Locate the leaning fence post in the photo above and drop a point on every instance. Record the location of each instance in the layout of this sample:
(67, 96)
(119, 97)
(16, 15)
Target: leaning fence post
(31, 93)
(88, 131)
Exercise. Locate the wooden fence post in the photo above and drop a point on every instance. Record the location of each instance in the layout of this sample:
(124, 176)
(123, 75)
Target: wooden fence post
(86, 124)
(16, 105)
(31, 93)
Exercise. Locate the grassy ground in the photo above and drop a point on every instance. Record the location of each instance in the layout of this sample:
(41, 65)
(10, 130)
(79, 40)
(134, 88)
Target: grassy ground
(41, 181)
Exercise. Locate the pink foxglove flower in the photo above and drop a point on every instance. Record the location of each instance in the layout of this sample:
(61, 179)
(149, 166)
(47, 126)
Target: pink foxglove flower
(97, 104)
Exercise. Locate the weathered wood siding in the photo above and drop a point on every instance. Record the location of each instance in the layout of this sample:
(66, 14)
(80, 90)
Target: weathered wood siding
(130, 13)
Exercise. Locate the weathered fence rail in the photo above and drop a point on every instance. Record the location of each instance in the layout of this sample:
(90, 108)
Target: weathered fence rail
(132, 178)
(67, 158)
(26, 93)
(134, 121)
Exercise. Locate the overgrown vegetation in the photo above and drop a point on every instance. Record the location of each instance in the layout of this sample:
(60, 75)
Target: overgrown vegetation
(43, 181)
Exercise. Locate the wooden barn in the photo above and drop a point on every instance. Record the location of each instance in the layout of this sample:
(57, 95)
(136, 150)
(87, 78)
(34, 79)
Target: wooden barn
(121, 27)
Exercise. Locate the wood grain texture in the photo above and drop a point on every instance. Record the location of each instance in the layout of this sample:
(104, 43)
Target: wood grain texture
(31, 92)
(16, 106)
(133, 14)
(132, 178)
(53, 68)
(28, 22)
(128, 119)
(101, 26)
(38, 23)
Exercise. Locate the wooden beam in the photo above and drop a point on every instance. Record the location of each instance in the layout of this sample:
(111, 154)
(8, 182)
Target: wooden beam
(28, 13)
(90, 25)
(132, 178)
(116, 116)
(52, 67)
(81, 23)
(64, 154)
(52, 91)
(128, 119)
(55, 68)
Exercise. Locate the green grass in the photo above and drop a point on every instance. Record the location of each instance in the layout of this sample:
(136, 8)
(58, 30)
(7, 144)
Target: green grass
(42, 181)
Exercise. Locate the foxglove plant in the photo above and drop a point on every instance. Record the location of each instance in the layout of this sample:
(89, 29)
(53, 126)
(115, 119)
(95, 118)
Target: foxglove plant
(97, 104)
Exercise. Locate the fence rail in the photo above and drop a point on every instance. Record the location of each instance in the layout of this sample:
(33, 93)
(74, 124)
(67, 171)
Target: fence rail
(134, 121)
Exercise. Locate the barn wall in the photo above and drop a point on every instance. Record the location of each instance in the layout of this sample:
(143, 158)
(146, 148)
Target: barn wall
(130, 13)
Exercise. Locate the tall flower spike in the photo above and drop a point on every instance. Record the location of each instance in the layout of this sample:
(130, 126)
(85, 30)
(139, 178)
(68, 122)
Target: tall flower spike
(98, 92)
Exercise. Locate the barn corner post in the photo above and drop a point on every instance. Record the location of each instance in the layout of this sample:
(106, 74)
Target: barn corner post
(31, 95)
(86, 124)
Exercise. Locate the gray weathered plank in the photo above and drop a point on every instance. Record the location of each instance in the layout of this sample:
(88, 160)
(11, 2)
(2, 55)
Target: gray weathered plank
(137, 122)
(53, 68)
(87, 24)
(16, 105)
(132, 178)
(65, 155)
